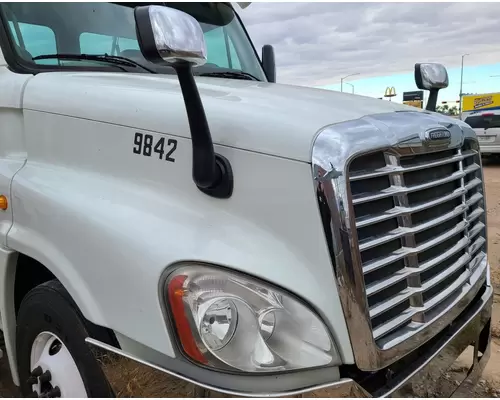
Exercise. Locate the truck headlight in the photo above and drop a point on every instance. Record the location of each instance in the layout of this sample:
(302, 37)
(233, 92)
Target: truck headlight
(231, 321)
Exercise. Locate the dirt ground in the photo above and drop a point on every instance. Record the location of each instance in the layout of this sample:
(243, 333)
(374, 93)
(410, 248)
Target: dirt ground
(143, 383)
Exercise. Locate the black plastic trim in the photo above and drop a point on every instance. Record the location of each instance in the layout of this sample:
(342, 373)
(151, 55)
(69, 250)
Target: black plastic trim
(224, 188)
(249, 40)
(418, 77)
(145, 35)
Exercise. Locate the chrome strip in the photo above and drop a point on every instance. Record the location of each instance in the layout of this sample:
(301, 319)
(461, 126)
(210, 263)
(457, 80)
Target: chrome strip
(343, 387)
(434, 362)
(399, 133)
(443, 357)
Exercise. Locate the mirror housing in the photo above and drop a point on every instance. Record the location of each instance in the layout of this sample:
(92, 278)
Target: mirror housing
(432, 77)
(269, 63)
(171, 37)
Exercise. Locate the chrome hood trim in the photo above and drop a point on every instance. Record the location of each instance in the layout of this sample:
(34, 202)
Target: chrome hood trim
(405, 133)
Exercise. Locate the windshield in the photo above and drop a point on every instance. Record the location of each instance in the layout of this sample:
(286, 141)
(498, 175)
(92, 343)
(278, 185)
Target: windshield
(38, 29)
(484, 121)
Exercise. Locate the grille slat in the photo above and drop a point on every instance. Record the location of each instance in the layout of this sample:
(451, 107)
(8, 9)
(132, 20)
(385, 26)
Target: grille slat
(401, 320)
(472, 184)
(474, 247)
(406, 272)
(461, 244)
(408, 251)
(402, 211)
(475, 215)
(400, 190)
(399, 232)
(405, 294)
(476, 230)
(449, 290)
(383, 307)
(474, 199)
(399, 169)
(442, 275)
(421, 228)
(410, 312)
(389, 281)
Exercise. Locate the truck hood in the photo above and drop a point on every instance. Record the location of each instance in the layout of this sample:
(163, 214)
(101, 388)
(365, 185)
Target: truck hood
(275, 119)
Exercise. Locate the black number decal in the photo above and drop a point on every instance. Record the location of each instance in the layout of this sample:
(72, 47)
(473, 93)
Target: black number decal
(148, 145)
(173, 143)
(144, 145)
(138, 143)
(159, 147)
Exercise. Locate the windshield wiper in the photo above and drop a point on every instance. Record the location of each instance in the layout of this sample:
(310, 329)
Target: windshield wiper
(118, 60)
(231, 74)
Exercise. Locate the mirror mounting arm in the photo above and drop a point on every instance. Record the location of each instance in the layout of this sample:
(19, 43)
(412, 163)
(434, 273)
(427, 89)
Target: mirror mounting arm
(432, 100)
(212, 173)
(171, 37)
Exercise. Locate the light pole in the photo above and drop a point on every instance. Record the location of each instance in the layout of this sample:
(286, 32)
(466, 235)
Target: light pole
(351, 85)
(461, 82)
(342, 80)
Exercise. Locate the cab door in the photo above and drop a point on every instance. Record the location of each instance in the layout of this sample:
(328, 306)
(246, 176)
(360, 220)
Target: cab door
(12, 148)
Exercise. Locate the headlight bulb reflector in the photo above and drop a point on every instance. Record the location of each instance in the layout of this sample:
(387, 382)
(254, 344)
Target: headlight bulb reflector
(219, 324)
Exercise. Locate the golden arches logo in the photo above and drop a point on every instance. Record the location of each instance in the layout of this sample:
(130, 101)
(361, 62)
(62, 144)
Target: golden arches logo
(390, 92)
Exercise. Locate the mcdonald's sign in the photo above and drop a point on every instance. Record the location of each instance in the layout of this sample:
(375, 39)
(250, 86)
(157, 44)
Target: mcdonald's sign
(390, 92)
(415, 98)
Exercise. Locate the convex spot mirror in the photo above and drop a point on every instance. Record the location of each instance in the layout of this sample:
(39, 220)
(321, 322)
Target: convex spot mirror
(268, 62)
(431, 76)
(170, 36)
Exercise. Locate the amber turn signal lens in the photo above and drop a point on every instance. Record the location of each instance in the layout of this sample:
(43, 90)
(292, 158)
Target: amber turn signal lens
(175, 297)
(3, 202)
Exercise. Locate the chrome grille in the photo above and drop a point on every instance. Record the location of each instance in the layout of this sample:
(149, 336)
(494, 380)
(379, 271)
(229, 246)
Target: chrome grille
(420, 227)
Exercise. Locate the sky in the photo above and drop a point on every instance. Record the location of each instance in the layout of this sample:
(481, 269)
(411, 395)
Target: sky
(318, 43)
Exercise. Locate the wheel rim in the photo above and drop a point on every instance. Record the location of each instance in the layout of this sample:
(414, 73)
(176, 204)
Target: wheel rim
(53, 370)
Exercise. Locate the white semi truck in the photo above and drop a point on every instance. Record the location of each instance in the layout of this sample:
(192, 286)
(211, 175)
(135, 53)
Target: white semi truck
(163, 200)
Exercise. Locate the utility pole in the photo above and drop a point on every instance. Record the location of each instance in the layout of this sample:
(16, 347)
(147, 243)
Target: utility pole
(461, 83)
(342, 80)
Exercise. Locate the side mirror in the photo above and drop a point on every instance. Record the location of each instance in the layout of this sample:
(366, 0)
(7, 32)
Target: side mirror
(432, 77)
(171, 37)
(269, 63)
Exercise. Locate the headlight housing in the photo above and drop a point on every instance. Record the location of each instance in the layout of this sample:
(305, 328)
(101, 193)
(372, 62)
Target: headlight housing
(230, 321)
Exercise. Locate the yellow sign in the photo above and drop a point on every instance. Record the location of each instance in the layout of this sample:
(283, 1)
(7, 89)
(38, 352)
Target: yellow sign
(414, 103)
(390, 92)
(475, 102)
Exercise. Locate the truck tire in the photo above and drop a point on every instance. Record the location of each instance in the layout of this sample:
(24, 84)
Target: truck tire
(52, 357)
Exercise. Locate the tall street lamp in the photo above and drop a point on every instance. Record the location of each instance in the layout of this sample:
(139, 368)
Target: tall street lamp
(461, 83)
(342, 80)
(351, 85)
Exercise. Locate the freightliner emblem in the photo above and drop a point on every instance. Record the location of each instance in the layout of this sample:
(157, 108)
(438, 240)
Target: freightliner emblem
(436, 135)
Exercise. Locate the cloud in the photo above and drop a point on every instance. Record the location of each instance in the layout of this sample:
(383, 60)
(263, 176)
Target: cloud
(318, 43)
